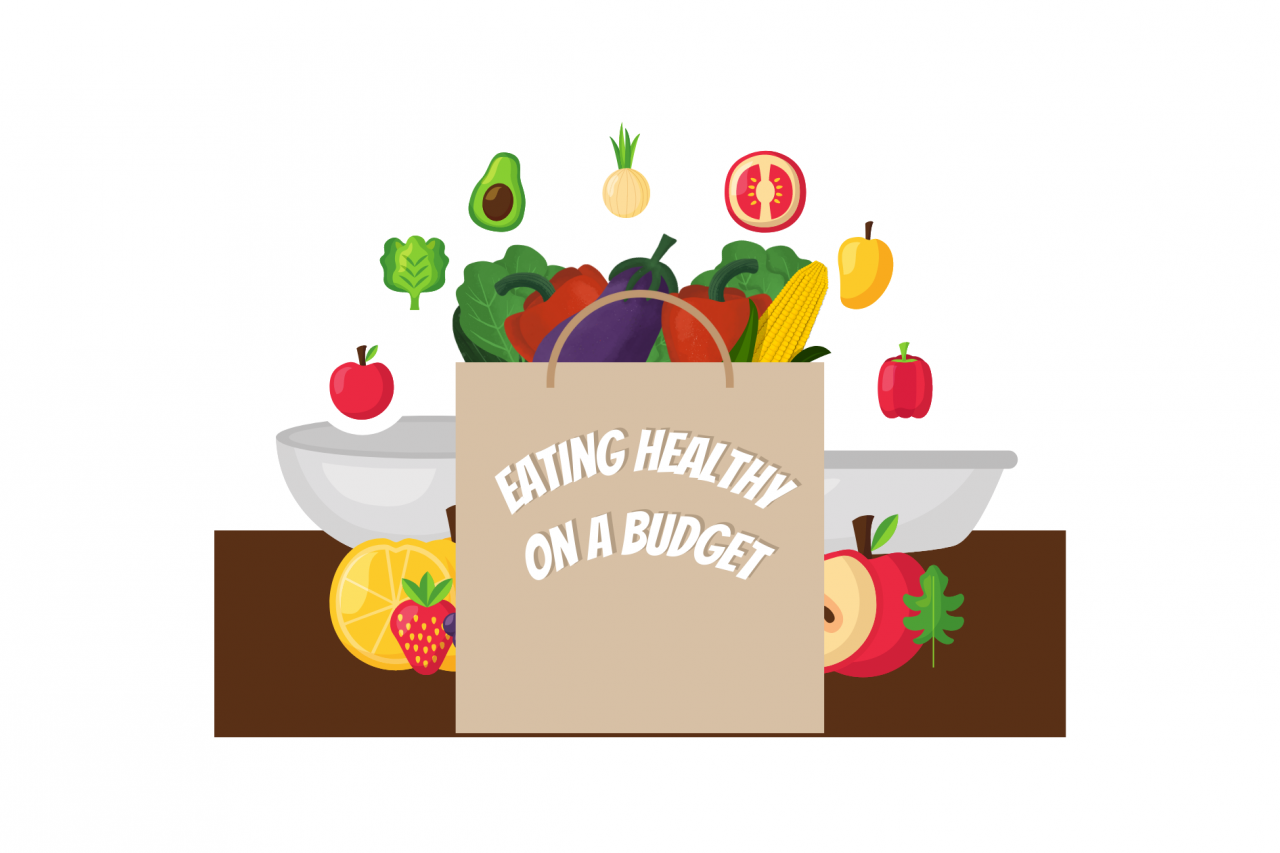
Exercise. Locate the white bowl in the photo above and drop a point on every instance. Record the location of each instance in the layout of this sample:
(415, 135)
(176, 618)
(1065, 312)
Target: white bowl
(938, 495)
(395, 484)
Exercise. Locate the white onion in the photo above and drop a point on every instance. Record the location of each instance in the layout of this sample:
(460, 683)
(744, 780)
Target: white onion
(626, 193)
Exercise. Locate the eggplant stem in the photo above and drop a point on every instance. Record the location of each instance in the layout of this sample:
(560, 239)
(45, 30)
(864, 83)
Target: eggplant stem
(663, 244)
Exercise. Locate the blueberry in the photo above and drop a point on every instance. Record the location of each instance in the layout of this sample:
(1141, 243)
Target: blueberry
(451, 627)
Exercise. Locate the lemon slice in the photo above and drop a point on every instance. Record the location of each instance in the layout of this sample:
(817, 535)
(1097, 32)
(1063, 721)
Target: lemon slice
(366, 589)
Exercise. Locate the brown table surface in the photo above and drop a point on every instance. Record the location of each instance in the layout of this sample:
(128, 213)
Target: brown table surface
(288, 675)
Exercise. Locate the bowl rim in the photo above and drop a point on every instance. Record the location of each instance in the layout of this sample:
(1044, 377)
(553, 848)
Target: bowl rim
(918, 459)
(286, 438)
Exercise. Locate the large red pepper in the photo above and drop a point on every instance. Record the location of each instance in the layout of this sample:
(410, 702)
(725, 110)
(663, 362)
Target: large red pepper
(906, 386)
(728, 309)
(567, 293)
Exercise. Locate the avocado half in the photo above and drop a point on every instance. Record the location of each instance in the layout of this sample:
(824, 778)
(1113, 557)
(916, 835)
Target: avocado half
(497, 202)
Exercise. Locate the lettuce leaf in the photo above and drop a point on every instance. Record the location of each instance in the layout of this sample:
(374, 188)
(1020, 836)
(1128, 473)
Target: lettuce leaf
(415, 267)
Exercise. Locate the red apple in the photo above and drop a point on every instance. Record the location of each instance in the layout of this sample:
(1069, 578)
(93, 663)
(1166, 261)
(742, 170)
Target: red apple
(363, 390)
(863, 608)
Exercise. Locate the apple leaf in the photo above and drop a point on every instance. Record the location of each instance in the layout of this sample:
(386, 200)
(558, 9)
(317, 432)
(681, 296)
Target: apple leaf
(884, 532)
(934, 618)
(373, 350)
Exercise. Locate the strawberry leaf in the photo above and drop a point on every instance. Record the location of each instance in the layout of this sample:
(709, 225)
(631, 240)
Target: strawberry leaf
(441, 591)
(884, 532)
(414, 591)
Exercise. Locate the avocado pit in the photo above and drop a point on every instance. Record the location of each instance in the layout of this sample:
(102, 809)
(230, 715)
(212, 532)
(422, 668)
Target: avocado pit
(498, 201)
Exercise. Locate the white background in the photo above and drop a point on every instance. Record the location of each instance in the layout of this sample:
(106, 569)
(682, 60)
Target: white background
(1080, 199)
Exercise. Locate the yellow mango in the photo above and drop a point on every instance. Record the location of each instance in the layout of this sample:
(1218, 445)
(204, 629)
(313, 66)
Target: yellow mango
(866, 266)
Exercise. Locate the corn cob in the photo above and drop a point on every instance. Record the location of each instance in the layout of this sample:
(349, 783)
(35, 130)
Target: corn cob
(786, 324)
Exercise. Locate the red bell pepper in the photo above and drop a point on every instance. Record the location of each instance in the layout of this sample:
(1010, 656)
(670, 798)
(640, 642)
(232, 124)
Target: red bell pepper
(906, 386)
(552, 302)
(727, 308)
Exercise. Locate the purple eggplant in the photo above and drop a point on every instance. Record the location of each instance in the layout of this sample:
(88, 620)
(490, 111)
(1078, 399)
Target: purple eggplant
(623, 331)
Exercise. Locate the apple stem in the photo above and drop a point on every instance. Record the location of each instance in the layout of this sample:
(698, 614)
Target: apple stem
(868, 230)
(452, 514)
(862, 532)
(360, 352)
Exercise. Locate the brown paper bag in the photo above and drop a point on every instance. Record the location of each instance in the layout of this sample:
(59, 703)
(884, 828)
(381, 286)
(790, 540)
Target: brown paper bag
(711, 625)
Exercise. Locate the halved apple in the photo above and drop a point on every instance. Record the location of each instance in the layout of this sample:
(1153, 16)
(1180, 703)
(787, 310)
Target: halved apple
(863, 608)
(849, 607)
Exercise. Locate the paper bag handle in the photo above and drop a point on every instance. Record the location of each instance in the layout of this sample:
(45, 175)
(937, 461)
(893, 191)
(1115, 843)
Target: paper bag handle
(639, 294)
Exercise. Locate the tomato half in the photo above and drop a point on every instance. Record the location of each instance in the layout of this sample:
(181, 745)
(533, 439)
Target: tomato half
(764, 191)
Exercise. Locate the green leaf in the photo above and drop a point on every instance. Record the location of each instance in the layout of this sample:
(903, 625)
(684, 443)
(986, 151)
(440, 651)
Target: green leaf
(484, 311)
(743, 249)
(811, 354)
(934, 618)
(884, 532)
(440, 592)
(470, 352)
(373, 350)
(414, 591)
(745, 348)
(659, 352)
(765, 282)
(415, 267)
(524, 259)
(775, 268)
(784, 262)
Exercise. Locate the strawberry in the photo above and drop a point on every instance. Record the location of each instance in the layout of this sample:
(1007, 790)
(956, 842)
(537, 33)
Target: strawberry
(418, 623)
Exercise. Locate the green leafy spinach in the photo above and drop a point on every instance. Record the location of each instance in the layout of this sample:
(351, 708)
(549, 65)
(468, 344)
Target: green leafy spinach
(482, 312)
(775, 268)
